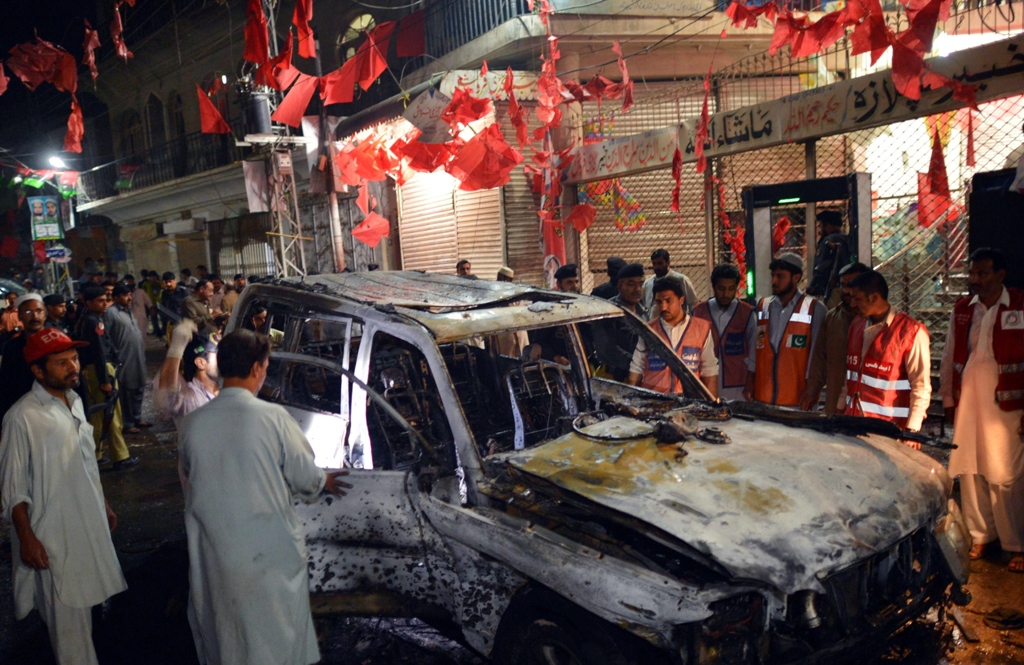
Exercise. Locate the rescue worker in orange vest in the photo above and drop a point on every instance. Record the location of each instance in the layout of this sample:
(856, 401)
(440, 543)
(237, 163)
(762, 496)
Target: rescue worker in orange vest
(787, 329)
(983, 392)
(733, 328)
(888, 361)
(689, 337)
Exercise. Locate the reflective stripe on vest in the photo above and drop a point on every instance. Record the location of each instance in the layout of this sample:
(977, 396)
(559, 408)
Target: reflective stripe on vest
(1007, 347)
(730, 345)
(877, 384)
(781, 376)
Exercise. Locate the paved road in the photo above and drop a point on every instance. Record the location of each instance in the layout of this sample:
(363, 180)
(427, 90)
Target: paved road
(147, 625)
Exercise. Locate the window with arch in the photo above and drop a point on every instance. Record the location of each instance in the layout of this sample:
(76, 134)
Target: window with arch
(132, 139)
(355, 30)
(155, 123)
(176, 115)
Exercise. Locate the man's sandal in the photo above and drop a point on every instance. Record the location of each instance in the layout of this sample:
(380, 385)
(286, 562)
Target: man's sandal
(982, 550)
(1016, 564)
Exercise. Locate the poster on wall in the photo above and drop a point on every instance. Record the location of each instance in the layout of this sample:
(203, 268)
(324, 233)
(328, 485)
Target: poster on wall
(45, 216)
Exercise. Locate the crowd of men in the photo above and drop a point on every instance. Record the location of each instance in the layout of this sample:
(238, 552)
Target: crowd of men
(65, 400)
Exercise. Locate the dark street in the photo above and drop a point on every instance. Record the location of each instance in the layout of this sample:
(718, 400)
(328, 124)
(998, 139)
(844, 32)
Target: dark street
(147, 624)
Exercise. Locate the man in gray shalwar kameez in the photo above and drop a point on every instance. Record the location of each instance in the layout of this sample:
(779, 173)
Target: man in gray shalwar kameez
(246, 461)
(130, 345)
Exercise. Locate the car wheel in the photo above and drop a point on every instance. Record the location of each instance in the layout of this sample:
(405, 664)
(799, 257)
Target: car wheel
(555, 640)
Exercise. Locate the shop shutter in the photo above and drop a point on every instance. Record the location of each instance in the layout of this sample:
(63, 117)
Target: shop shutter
(522, 226)
(480, 231)
(427, 227)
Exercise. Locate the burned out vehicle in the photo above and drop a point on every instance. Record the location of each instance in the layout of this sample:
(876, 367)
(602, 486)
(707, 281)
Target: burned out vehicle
(505, 494)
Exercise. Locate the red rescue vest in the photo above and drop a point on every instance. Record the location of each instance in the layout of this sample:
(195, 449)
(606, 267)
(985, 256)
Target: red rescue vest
(658, 375)
(780, 377)
(731, 345)
(877, 384)
(1007, 347)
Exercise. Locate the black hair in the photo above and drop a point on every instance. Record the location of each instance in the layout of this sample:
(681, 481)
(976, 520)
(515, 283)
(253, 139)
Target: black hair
(660, 254)
(212, 276)
(239, 351)
(200, 267)
(200, 284)
(668, 283)
(871, 282)
(996, 256)
(168, 275)
(186, 272)
(199, 347)
(779, 264)
(462, 262)
(239, 275)
(856, 268)
(110, 274)
(725, 271)
(129, 276)
(253, 278)
(830, 217)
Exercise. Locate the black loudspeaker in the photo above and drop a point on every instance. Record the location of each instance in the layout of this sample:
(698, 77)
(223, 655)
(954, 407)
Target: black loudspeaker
(997, 220)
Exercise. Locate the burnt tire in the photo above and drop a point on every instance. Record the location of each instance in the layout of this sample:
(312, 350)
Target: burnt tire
(554, 640)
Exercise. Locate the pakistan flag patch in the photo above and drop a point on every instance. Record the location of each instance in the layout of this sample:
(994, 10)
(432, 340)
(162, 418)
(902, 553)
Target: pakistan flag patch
(797, 341)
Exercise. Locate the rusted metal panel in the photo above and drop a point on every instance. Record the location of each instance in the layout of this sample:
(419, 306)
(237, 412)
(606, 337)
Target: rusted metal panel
(777, 504)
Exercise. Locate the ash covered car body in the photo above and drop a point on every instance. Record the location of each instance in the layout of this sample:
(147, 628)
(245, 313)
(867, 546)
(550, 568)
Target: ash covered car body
(506, 494)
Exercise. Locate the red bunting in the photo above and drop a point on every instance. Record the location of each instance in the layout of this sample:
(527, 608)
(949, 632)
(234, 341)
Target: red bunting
(372, 55)
(364, 201)
(339, 87)
(701, 137)
(963, 92)
(485, 161)
(412, 35)
(516, 112)
(933, 198)
(372, 229)
(76, 128)
(301, 17)
(210, 118)
(36, 63)
(907, 67)
(368, 166)
(627, 83)
(871, 36)
(741, 14)
(117, 33)
(345, 166)
(286, 77)
(923, 16)
(428, 157)
(582, 217)
(3, 80)
(90, 43)
(779, 233)
(464, 108)
(257, 48)
(293, 106)
(677, 177)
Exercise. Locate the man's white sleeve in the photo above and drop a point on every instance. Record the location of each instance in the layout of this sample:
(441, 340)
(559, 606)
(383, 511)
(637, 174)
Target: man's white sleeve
(708, 360)
(15, 462)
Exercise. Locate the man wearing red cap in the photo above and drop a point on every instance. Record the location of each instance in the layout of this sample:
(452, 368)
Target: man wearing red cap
(63, 558)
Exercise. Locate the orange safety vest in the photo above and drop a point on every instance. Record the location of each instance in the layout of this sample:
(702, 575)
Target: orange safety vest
(658, 375)
(731, 345)
(780, 377)
(877, 384)
(1007, 347)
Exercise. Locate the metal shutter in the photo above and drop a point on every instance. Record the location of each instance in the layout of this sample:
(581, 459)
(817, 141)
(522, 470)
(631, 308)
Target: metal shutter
(522, 225)
(480, 231)
(426, 225)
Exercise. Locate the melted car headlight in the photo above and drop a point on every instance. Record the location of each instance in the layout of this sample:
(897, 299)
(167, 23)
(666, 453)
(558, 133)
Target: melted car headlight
(735, 633)
(955, 542)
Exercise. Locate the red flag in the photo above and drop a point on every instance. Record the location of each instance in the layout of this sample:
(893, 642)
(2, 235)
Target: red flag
(69, 178)
(933, 199)
(301, 17)
(923, 16)
(345, 167)
(963, 92)
(117, 33)
(701, 136)
(871, 36)
(35, 62)
(372, 229)
(278, 72)
(89, 46)
(412, 35)
(371, 60)
(210, 118)
(581, 217)
(740, 13)
(3, 80)
(428, 157)
(339, 87)
(363, 199)
(627, 83)
(484, 69)
(779, 233)
(485, 161)
(257, 48)
(907, 67)
(76, 128)
(368, 164)
(293, 106)
(677, 176)
(516, 113)
(286, 77)
(464, 108)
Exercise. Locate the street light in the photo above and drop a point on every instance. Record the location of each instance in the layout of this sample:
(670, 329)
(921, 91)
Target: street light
(57, 163)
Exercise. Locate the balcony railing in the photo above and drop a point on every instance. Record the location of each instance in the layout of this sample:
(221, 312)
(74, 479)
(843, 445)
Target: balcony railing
(462, 21)
(183, 156)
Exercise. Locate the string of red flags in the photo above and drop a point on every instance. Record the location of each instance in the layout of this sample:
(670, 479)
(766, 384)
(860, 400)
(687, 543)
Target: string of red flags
(90, 43)
(301, 17)
(209, 117)
(117, 31)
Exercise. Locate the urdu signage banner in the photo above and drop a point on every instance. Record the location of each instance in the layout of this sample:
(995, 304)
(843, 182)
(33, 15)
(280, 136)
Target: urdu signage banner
(861, 103)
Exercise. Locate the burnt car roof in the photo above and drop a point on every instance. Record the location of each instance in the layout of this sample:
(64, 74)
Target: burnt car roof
(420, 290)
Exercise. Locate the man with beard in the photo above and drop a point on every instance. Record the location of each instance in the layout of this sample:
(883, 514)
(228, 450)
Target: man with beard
(663, 268)
(244, 462)
(15, 376)
(828, 363)
(195, 356)
(231, 297)
(983, 392)
(688, 336)
(197, 307)
(56, 313)
(787, 327)
(888, 360)
(63, 559)
(734, 328)
(567, 278)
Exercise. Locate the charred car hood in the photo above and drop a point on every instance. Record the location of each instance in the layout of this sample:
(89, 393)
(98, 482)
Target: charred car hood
(778, 504)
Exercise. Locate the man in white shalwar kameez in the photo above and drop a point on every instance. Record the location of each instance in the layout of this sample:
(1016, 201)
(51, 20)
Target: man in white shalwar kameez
(246, 461)
(64, 560)
(983, 392)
